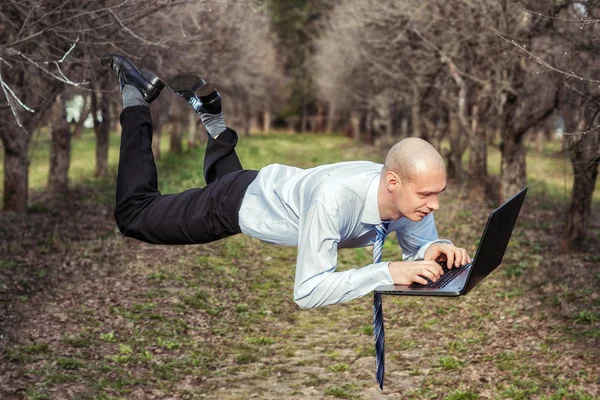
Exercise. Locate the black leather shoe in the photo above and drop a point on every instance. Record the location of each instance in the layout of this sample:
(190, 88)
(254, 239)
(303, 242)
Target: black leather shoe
(202, 96)
(147, 83)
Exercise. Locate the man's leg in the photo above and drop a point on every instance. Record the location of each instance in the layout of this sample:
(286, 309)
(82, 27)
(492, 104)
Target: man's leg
(220, 158)
(195, 216)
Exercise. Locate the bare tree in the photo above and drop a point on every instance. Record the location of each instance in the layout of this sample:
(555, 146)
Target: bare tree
(41, 51)
(449, 62)
(229, 44)
(580, 109)
(567, 50)
(60, 149)
(585, 158)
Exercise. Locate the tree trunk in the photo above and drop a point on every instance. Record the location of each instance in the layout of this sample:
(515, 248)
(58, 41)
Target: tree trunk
(304, 123)
(438, 133)
(477, 173)
(266, 121)
(157, 127)
(518, 118)
(16, 177)
(192, 130)
(355, 126)
(247, 115)
(404, 127)
(176, 136)
(60, 150)
(319, 118)
(115, 112)
(454, 155)
(83, 114)
(16, 139)
(101, 105)
(235, 114)
(389, 126)
(329, 126)
(416, 118)
(156, 136)
(513, 173)
(368, 132)
(585, 158)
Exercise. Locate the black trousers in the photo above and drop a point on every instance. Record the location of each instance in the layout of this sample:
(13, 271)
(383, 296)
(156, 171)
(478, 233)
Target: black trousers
(197, 215)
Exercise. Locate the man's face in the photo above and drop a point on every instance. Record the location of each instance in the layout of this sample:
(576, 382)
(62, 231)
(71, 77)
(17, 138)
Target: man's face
(419, 197)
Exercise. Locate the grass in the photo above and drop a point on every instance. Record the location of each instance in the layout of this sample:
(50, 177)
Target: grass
(122, 319)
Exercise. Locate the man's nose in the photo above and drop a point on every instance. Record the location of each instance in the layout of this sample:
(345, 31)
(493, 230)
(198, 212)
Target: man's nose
(434, 203)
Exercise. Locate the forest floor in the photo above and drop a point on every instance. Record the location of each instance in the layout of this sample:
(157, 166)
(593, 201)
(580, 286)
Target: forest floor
(88, 314)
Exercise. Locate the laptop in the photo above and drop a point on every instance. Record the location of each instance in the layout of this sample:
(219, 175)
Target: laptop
(493, 243)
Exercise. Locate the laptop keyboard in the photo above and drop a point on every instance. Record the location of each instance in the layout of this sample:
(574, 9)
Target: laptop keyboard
(444, 280)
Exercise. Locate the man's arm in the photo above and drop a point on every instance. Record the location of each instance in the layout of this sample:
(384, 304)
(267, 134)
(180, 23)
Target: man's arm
(415, 238)
(317, 284)
(422, 247)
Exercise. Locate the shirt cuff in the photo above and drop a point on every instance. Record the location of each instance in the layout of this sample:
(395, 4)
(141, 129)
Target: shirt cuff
(421, 253)
(384, 274)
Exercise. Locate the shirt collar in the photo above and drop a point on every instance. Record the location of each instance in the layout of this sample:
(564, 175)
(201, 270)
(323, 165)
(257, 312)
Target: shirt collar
(370, 213)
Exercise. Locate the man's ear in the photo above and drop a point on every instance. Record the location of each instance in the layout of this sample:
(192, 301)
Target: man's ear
(393, 180)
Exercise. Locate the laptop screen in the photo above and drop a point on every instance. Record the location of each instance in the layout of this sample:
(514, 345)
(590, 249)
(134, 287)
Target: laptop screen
(495, 238)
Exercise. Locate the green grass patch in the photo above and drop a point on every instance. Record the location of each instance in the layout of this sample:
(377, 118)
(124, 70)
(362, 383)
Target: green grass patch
(586, 317)
(345, 391)
(341, 367)
(449, 363)
(260, 340)
(69, 363)
(462, 395)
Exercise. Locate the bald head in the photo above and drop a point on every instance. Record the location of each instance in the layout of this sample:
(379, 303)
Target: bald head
(411, 157)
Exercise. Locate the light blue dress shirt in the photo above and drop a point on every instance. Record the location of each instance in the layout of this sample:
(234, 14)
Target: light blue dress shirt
(320, 210)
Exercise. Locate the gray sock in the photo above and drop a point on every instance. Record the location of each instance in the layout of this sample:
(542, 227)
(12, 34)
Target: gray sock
(214, 123)
(133, 97)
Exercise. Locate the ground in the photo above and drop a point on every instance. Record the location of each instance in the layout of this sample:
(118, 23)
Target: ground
(89, 314)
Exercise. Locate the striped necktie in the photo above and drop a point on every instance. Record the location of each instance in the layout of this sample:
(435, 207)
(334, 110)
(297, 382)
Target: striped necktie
(377, 310)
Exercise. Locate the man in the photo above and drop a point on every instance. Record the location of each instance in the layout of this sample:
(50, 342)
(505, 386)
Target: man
(319, 209)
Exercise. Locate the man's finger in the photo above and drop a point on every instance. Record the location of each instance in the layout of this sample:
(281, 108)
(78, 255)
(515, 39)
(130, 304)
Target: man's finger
(434, 272)
(438, 268)
(428, 274)
(450, 256)
(457, 257)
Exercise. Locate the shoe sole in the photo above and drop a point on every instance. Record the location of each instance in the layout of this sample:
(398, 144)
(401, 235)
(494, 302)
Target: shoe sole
(190, 83)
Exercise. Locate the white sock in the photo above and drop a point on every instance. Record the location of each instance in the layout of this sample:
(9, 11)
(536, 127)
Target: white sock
(214, 123)
(133, 97)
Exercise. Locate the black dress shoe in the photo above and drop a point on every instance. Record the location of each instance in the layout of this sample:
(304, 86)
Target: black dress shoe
(147, 83)
(202, 96)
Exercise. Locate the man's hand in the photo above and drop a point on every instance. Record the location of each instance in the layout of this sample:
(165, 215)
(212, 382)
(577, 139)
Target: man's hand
(444, 252)
(407, 272)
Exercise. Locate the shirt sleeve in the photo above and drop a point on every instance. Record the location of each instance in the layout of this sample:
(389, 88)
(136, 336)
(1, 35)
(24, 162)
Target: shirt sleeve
(317, 284)
(415, 238)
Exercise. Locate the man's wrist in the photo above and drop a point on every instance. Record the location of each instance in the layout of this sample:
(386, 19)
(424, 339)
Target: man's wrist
(393, 269)
(389, 275)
